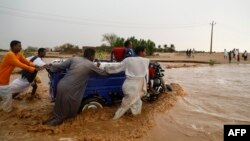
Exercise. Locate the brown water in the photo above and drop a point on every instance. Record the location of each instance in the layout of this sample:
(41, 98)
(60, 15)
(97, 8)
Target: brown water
(28, 120)
(216, 96)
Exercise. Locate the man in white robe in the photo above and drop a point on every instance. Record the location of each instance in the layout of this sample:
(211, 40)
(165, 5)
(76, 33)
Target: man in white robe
(135, 85)
(22, 84)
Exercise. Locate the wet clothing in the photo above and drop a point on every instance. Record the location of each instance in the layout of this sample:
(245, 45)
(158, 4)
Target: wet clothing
(134, 87)
(38, 61)
(21, 84)
(6, 95)
(9, 62)
(71, 87)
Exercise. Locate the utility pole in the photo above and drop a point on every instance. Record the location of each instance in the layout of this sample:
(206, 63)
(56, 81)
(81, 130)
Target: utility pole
(211, 44)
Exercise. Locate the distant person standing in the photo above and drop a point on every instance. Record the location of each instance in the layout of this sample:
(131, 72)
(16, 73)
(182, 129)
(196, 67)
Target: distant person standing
(225, 54)
(230, 56)
(193, 53)
(190, 52)
(234, 52)
(245, 55)
(237, 55)
(129, 50)
(187, 53)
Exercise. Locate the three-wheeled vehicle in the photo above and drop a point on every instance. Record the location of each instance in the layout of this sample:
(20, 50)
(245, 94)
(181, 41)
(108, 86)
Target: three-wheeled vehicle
(106, 90)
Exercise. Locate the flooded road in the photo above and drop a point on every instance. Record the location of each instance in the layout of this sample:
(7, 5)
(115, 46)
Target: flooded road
(28, 120)
(216, 95)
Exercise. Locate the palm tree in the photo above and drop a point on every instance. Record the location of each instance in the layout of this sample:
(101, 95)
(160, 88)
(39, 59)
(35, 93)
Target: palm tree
(172, 48)
(165, 48)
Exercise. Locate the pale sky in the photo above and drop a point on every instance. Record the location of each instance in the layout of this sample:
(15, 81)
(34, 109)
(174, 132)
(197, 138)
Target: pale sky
(184, 23)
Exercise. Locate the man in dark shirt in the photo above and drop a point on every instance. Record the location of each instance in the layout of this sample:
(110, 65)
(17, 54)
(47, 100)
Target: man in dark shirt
(129, 50)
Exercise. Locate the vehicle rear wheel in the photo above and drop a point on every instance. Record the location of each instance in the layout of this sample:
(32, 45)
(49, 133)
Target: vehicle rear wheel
(92, 103)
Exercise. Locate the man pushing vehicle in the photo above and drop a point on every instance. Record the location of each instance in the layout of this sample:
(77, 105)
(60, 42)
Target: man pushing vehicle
(135, 84)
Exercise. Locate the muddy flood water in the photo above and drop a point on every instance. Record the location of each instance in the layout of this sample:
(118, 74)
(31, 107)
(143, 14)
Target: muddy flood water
(215, 96)
(203, 99)
(28, 120)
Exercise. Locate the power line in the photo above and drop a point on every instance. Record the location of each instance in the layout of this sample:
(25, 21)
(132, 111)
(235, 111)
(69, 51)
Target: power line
(73, 20)
(46, 14)
(82, 19)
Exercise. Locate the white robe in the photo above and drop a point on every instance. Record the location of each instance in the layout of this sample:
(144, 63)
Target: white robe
(134, 87)
(21, 84)
(6, 95)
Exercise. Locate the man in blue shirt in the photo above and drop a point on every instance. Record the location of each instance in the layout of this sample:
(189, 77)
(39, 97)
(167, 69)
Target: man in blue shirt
(129, 50)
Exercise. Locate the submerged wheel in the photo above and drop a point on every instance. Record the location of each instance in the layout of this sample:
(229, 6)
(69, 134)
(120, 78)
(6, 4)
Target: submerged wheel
(91, 103)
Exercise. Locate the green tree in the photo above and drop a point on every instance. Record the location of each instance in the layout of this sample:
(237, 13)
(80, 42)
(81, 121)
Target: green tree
(148, 44)
(29, 51)
(172, 48)
(119, 42)
(110, 38)
(165, 47)
(150, 47)
(68, 48)
(134, 41)
(3, 50)
(115, 41)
